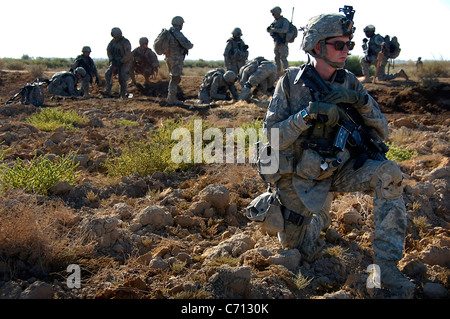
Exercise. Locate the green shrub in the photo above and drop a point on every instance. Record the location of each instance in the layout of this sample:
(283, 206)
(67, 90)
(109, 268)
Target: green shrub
(399, 154)
(39, 174)
(353, 64)
(48, 119)
(145, 158)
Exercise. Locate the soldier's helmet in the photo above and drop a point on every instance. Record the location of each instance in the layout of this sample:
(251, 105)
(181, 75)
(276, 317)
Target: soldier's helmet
(80, 71)
(143, 40)
(369, 28)
(86, 49)
(229, 77)
(276, 10)
(325, 26)
(116, 33)
(236, 32)
(177, 21)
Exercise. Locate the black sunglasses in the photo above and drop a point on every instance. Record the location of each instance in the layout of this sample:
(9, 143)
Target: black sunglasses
(339, 45)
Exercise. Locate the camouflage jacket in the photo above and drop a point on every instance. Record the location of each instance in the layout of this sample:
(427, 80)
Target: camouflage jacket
(374, 46)
(143, 58)
(235, 50)
(296, 160)
(179, 45)
(119, 52)
(281, 27)
(217, 88)
(85, 62)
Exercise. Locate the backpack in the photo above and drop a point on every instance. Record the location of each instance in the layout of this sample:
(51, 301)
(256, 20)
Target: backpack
(161, 43)
(30, 93)
(292, 33)
(393, 47)
(209, 76)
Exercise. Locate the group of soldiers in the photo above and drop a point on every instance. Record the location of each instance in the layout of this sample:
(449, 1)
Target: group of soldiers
(258, 74)
(311, 166)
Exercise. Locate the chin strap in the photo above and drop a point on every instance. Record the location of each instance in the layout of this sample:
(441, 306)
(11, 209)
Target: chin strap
(323, 50)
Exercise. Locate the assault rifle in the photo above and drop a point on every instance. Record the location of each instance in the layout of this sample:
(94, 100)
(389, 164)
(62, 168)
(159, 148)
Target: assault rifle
(361, 141)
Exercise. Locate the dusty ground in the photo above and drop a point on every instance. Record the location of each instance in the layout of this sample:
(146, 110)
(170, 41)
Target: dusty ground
(127, 258)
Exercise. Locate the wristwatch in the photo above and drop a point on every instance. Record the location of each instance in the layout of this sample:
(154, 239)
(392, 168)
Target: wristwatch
(305, 116)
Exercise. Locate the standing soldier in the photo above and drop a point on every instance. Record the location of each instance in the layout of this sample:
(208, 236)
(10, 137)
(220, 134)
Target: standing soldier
(144, 62)
(119, 55)
(85, 61)
(235, 53)
(372, 47)
(278, 30)
(312, 168)
(178, 48)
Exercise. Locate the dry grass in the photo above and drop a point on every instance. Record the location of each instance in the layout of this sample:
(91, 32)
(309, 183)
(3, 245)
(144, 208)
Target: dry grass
(36, 233)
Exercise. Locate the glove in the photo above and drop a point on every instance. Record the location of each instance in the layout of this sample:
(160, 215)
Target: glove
(317, 110)
(343, 95)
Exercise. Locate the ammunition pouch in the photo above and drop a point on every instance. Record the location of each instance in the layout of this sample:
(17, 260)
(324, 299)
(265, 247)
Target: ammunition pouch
(266, 209)
(271, 167)
(320, 164)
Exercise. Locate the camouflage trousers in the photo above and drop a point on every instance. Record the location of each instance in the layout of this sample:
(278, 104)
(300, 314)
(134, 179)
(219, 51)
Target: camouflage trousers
(365, 65)
(124, 74)
(281, 51)
(175, 65)
(384, 178)
(85, 83)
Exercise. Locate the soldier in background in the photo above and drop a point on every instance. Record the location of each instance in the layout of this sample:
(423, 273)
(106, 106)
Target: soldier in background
(311, 168)
(85, 61)
(372, 45)
(259, 74)
(236, 52)
(119, 55)
(278, 30)
(216, 85)
(64, 83)
(179, 46)
(144, 62)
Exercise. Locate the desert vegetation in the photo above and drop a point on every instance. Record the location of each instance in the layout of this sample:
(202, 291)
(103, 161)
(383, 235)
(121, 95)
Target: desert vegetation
(91, 182)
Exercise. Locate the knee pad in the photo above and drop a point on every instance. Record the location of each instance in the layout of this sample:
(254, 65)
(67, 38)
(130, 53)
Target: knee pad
(387, 180)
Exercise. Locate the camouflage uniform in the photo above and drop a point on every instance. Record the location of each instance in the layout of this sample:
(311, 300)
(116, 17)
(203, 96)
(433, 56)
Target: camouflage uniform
(144, 62)
(371, 48)
(235, 53)
(178, 49)
(305, 189)
(119, 54)
(278, 30)
(65, 82)
(216, 85)
(86, 62)
(259, 74)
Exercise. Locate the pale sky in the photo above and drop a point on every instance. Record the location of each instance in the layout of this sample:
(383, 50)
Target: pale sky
(52, 28)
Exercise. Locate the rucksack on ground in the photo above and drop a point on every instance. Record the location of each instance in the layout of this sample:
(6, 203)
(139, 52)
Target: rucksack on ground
(30, 93)
(292, 33)
(161, 43)
(393, 47)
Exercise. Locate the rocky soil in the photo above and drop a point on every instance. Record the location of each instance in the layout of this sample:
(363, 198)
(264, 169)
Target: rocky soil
(185, 235)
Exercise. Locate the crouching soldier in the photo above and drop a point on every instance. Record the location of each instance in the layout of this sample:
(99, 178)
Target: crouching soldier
(311, 166)
(216, 85)
(85, 61)
(64, 83)
(259, 74)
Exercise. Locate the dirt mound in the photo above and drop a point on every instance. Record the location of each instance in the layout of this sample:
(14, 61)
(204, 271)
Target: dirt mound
(185, 235)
